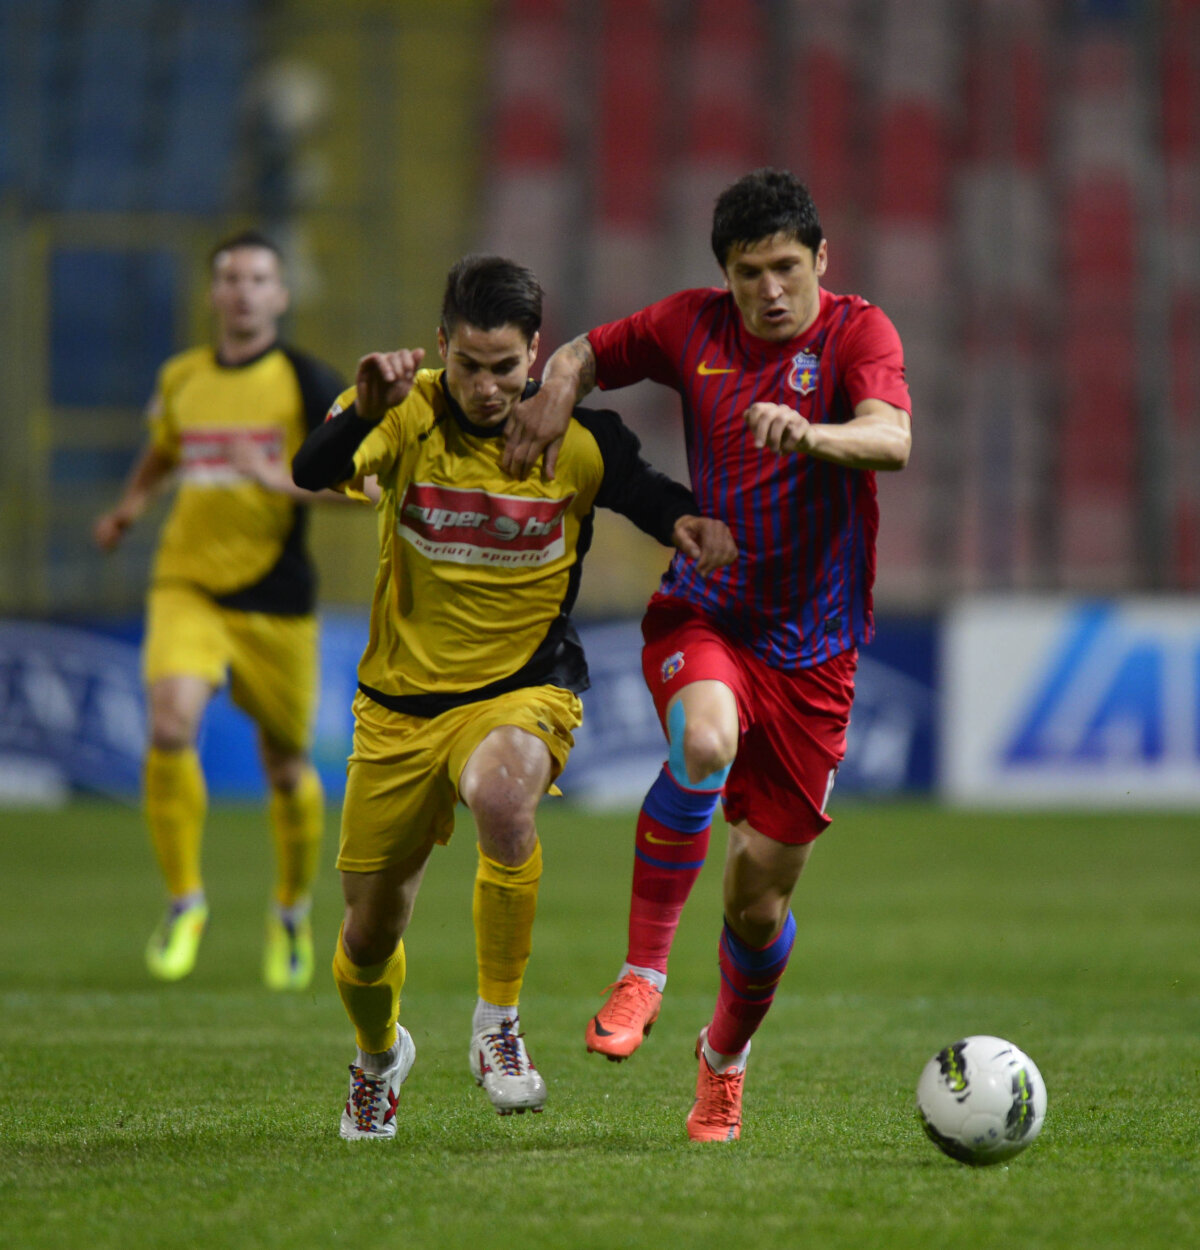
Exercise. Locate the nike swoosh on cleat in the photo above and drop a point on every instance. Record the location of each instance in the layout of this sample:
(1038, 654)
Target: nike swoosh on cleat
(600, 1028)
(705, 371)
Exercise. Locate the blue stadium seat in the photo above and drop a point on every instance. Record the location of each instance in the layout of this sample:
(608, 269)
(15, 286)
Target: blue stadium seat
(112, 108)
(211, 54)
(112, 324)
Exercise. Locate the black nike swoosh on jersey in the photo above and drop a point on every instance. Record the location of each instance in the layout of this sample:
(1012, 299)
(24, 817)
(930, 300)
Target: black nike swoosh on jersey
(603, 1032)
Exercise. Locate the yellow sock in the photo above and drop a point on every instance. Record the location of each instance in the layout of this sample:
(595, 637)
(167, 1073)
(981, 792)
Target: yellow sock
(297, 822)
(371, 996)
(176, 800)
(504, 906)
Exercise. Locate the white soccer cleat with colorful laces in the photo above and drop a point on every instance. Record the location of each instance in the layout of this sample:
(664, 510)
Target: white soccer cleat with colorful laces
(370, 1111)
(501, 1064)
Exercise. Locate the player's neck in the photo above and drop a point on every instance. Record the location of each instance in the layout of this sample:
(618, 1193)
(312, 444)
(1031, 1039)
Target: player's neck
(236, 350)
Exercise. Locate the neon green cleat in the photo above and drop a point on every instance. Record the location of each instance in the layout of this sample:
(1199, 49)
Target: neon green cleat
(288, 953)
(171, 951)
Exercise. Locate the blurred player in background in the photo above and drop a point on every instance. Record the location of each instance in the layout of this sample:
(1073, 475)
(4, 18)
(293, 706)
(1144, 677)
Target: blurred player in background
(232, 595)
(792, 398)
(469, 686)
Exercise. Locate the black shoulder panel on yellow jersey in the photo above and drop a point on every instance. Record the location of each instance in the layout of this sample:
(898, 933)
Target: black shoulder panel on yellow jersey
(289, 587)
(558, 661)
(319, 384)
(650, 499)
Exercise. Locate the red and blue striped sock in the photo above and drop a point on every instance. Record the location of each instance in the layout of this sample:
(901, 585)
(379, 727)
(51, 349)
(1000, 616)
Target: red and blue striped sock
(672, 842)
(749, 976)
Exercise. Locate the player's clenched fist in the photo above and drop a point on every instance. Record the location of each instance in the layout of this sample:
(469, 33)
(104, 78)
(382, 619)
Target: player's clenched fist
(705, 540)
(384, 379)
(776, 427)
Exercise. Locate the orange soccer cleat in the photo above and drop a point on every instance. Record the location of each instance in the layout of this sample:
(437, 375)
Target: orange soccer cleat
(716, 1115)
(617, 1029)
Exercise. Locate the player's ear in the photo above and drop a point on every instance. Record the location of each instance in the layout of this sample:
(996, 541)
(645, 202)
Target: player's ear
(443, 346)
(821, 260)
(533, 345)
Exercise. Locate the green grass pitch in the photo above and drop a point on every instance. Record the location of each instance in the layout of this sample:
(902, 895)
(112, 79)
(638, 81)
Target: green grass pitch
(205, 1114)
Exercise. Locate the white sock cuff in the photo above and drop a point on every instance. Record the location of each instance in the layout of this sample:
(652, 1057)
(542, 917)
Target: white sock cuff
(489, 1017)
(656, 978)
(725, 1063)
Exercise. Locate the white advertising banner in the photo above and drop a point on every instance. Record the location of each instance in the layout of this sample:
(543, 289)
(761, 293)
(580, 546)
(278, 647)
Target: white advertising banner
(1079, 703)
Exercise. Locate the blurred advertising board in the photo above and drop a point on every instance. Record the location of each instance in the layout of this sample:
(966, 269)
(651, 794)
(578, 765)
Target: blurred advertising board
(1073, 703)
(72, 716)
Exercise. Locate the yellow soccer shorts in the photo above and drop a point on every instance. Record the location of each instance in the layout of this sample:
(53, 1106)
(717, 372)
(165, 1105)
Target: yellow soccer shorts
(402, 778)
(270, 661)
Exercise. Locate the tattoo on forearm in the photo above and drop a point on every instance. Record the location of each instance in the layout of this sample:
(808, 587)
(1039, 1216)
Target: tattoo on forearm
(581, 352)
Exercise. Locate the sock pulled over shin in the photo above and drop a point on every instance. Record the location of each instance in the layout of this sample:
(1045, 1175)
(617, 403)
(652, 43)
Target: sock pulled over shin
(297, 822)
(504, 907)
(673, 832)
(371, 996)
(749, 977)
(176, 800)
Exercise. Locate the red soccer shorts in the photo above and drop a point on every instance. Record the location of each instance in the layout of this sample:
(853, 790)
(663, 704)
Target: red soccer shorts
(793, 724)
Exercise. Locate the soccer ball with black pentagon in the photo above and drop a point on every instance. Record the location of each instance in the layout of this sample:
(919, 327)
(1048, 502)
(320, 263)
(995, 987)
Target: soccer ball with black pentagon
(981, 1100)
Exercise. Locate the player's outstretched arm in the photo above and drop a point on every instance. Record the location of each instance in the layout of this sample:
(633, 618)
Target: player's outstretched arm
(878, 436)
(538, 424)
(705, 540)
(153, 467)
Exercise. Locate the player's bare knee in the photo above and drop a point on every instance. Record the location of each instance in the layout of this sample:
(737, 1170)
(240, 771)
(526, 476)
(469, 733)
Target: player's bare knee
(507, 832)
(759, 921)
(284, 772)
(171, 730)
(503, 806)
(706, 750)
(370, 939)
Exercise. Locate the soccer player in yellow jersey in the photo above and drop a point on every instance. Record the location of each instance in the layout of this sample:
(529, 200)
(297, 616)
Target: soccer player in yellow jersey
(469, 685)
(231, 595)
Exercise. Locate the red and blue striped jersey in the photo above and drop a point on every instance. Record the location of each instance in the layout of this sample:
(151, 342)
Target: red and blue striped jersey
(800, 590)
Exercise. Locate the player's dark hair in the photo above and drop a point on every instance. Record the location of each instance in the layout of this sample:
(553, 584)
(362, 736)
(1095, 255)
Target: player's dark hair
(489, 292)
(761, 204)
(244, 238)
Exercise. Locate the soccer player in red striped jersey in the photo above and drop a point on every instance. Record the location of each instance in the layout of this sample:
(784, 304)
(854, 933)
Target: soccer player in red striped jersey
(792, 398)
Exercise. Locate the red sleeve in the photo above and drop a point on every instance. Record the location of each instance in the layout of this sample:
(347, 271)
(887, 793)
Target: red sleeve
(647, 344)
(872, 365)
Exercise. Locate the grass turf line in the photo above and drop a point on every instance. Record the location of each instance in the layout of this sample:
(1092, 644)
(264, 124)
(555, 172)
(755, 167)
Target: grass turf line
(204, 1114)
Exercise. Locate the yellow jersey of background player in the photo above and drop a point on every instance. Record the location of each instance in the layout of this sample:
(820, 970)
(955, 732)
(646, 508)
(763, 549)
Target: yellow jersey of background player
(226, 535)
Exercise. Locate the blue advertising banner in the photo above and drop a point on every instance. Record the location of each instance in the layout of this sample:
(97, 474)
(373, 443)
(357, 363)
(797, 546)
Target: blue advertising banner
(1073, 703)
(72, 716)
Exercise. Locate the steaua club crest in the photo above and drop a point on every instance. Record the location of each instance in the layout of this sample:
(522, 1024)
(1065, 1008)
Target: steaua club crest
(804, 375)
(671, 665)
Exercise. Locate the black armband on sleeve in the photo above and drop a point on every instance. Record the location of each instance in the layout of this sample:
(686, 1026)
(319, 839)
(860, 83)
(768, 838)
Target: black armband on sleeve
(650, 499)
(326, 456)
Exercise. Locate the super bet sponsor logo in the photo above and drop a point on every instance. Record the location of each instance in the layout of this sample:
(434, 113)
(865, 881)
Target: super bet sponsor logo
(479, 527)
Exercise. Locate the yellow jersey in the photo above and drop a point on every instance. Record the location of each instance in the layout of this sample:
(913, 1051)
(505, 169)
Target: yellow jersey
(225, 534)
(478, 571)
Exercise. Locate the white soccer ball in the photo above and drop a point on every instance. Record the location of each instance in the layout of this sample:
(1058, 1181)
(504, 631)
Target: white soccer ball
(981, 1100)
